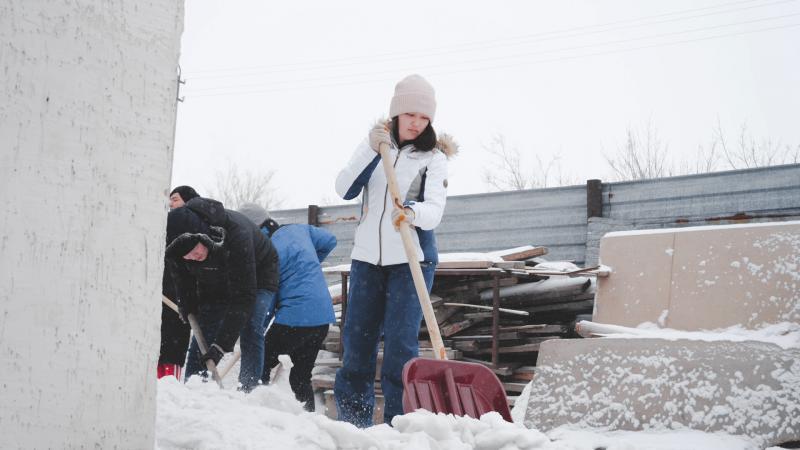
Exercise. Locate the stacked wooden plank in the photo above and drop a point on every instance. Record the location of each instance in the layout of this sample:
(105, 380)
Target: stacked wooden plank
(538, 300)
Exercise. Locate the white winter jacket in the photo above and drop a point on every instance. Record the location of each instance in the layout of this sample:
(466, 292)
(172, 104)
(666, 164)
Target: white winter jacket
(422, 181)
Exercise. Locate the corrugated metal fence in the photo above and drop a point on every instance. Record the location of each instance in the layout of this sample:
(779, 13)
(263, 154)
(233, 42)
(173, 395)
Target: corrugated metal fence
(571, 220)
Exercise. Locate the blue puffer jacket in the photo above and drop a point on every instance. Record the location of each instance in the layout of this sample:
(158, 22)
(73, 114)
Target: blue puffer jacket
(303, 297)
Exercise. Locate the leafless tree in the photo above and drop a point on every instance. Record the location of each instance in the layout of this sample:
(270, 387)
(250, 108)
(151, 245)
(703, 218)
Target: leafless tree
(506, 170)
(747, 152)
(706, 159)
(643, 156)
(236, 186)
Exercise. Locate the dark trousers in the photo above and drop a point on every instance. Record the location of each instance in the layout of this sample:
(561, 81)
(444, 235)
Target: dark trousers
(174, 337)
(251, 338)
(302, 345)
(381, 300)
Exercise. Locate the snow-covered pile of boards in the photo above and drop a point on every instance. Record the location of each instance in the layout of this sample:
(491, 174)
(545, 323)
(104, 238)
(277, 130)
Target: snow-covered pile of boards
(538, 300)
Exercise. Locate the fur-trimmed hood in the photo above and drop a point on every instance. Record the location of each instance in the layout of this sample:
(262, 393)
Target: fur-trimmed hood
(447, 145)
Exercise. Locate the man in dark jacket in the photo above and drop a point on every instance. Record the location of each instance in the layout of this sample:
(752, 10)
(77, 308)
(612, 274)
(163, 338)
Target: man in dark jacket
(226, 273)
(174, 332)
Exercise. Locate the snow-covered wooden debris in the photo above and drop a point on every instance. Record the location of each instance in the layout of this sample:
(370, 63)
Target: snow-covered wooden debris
(539, 300)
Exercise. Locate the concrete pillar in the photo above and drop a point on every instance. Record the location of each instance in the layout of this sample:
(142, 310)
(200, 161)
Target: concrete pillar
(87, 112)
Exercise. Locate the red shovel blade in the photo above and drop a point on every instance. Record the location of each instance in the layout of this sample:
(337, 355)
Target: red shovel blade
(453, 387)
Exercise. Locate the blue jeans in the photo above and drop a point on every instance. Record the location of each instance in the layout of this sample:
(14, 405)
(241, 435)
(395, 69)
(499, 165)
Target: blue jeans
(380, 299)
(251, 338)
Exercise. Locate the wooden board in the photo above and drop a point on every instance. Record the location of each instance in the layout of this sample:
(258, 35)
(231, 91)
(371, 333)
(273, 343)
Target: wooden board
(540, 290)
(490, 308)
(488, 284)
(453, 328)
(443, 313)
(507, 336)
(531, 346)
(480, 315)
(464, 272)
(537, 329)
(511, 386)
(328, 362)
(521, 253)
(509, 265)
(464, 265)
(572, 273)
(318, 383)
(583, 305)
(525, 373)
(502, 369)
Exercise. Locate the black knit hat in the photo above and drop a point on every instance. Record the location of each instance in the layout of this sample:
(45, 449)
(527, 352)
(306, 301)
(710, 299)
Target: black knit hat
(186, 192)
(184, 220)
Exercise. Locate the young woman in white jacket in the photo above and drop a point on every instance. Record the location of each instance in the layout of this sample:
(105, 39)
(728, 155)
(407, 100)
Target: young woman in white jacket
(382, 300)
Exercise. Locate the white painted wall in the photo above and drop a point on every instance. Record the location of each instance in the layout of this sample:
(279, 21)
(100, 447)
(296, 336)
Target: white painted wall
(87, 111)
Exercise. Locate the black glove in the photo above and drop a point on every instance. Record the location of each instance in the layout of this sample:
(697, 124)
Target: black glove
(214, 353)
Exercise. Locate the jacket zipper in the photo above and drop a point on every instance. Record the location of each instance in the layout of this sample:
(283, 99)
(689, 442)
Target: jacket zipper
(383, 212)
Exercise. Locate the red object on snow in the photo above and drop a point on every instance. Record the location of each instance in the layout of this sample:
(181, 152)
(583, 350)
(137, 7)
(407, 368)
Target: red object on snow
(453, 387)
(169, 369)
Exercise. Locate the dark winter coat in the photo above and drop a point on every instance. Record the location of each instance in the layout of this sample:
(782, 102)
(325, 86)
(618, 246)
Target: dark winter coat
(240, 261)
(174, 333)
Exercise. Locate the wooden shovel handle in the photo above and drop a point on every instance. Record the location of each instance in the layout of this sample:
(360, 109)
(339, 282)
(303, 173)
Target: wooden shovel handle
(198, 335)
(411, 254)
(201, 342)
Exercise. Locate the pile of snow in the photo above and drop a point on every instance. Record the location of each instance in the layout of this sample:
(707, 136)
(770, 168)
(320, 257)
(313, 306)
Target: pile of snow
(557, 266)
(785, 334)
(473, 256)
(199, 415)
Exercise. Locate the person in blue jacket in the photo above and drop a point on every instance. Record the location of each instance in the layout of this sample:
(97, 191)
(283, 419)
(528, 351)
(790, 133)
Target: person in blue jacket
(305, 308)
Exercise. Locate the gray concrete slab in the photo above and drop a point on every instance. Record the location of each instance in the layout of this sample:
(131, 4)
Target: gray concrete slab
(740, 388)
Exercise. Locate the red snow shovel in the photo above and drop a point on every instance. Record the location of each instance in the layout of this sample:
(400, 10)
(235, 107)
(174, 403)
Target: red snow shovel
(439, 385)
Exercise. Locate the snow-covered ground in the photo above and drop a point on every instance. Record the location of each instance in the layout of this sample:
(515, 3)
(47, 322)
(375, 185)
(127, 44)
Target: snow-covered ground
(199, 415)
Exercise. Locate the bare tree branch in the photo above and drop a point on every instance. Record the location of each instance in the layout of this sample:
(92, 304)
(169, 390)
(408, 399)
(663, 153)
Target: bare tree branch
(750, 153)
(236, 186)
(642, 157)
(506, 171)
(705, 160)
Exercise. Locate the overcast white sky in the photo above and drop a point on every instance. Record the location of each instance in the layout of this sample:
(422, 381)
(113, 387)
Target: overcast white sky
(295, 86)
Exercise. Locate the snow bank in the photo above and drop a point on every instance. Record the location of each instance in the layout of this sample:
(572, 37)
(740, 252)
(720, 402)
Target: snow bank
(699, 228)
(785, 334)
(201, 416)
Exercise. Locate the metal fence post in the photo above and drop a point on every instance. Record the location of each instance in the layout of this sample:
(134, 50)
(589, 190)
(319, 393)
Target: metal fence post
(313, 215)
(594, 198)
